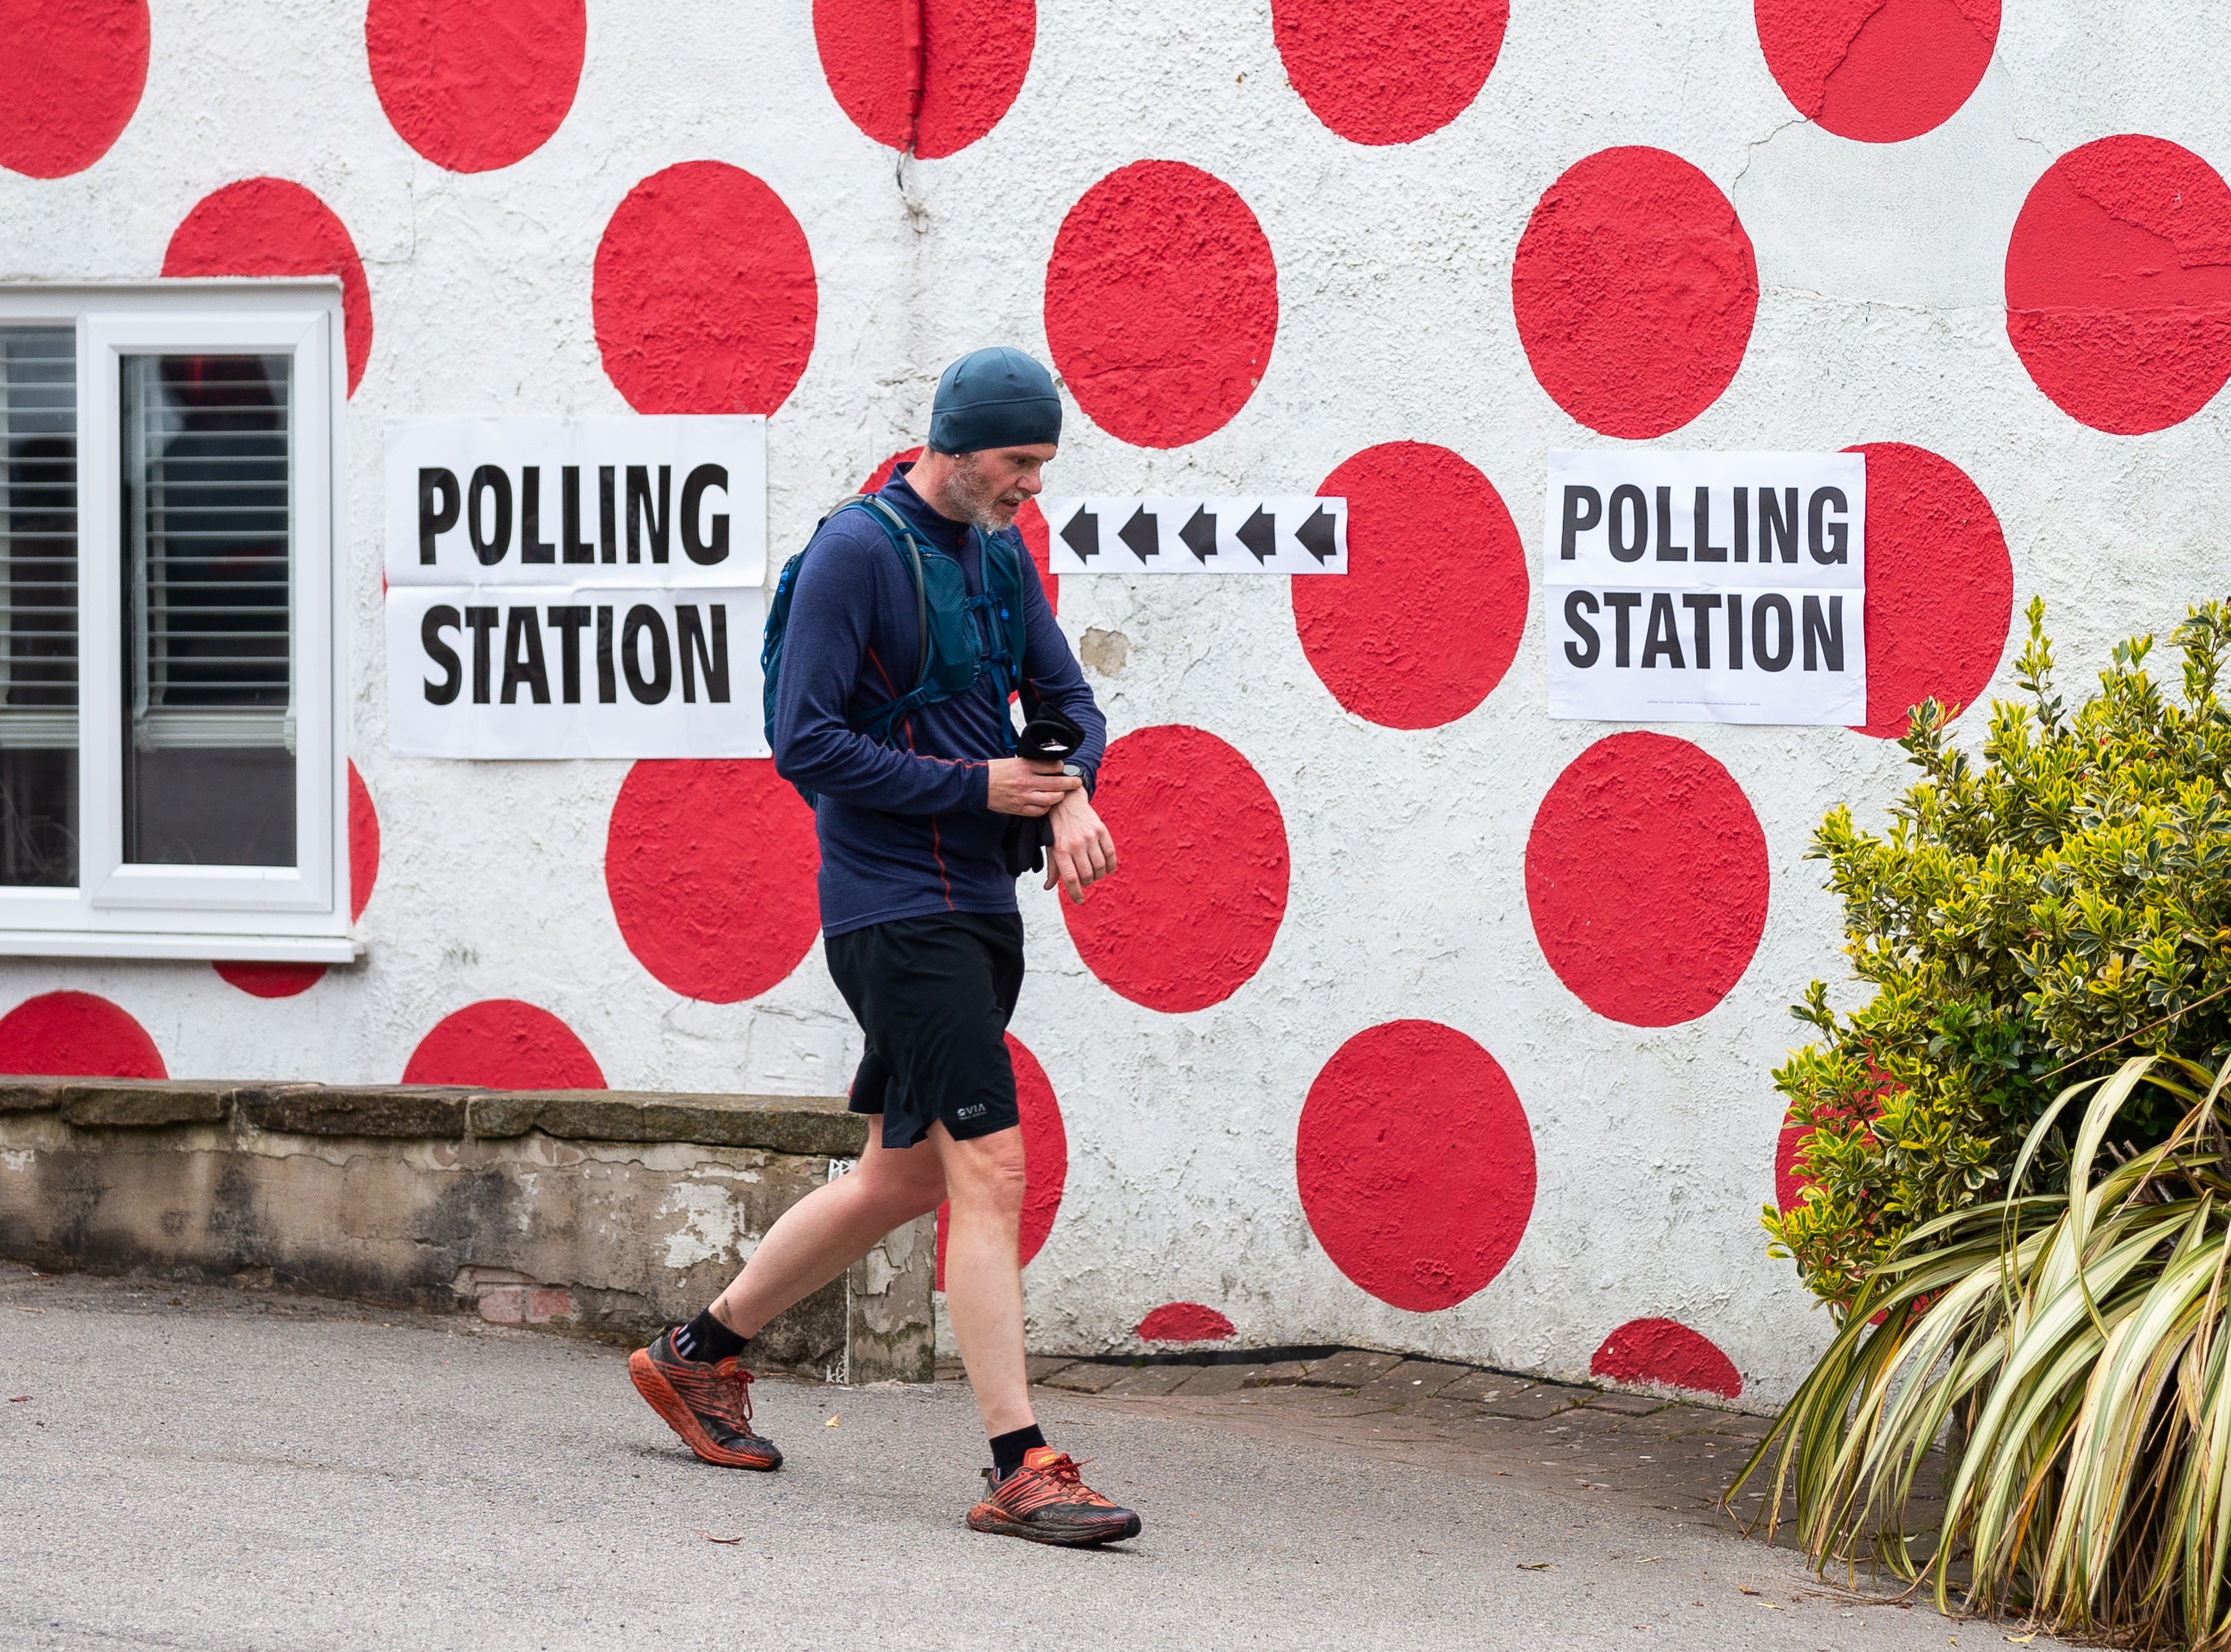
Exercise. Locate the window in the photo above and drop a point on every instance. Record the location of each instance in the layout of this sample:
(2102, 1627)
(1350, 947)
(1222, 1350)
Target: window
(171, 779)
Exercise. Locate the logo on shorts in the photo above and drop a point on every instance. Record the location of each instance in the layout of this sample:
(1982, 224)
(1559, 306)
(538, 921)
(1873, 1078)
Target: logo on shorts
(977, 1111)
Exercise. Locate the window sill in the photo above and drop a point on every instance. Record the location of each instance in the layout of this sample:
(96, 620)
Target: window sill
(217, 948)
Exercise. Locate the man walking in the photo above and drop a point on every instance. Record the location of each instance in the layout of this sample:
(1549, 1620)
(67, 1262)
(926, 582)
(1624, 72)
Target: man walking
(915, 787)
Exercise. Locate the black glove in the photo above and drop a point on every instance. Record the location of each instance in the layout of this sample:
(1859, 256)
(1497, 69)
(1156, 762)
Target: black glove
(1050, 736)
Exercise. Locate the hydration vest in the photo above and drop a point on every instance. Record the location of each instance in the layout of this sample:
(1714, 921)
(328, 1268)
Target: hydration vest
(962, 637)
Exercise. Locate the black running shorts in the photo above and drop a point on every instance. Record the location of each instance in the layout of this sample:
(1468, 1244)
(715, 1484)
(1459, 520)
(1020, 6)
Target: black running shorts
(934, 995)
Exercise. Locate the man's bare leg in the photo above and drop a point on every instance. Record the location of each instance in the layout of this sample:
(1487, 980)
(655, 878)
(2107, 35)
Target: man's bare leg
(690, 1375)
(983, 1178)
(833, 1227)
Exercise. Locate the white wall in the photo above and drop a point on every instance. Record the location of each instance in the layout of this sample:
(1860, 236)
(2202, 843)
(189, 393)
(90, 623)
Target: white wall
(1880, 317)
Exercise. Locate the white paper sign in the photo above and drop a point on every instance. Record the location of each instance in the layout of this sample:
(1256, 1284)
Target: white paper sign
(1301, 533)
(1706, 587)
(576, 588)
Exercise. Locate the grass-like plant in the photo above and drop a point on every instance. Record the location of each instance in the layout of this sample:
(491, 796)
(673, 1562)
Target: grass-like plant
(2075, 1347)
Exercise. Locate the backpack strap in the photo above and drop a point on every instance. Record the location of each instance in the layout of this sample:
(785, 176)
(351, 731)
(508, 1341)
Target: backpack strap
(904, 540)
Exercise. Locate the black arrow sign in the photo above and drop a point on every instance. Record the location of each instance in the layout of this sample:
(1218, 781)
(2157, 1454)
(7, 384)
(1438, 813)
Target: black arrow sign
(1315, 534)
(1199, 533)
(1260, 534)
(1141, 534)
(1082, 535)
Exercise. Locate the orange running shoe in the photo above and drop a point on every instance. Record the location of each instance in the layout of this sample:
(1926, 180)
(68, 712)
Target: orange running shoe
(709, 1405)
(1046, 1500)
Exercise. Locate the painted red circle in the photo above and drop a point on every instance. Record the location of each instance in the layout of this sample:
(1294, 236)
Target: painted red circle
(1416, 1164)
(268, 226)
(506, 1045)
(883, 472)
(1162, 303)
(2119, 284)
(1427, 617)
(363, 843)
(1377, 74)
(704, 294)
(76, 1035)
(1646, 877)
(1879, 71)
(975, 55)
(1191, 912)
(1940, 585)
(271, 980)
(1045, 1159)
(1634, 289)
(1185, 1322)
(1665, 1353)
(1788, 1184)
(473, 84)
(71, 73)
(1029, 521)
(710, 865)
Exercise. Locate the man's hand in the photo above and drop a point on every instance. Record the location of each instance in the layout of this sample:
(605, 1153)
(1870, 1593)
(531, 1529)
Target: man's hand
(1022, 785)
(1083, 851)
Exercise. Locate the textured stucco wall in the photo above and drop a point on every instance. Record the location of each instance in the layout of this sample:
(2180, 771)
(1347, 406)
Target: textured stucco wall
(1857, 293)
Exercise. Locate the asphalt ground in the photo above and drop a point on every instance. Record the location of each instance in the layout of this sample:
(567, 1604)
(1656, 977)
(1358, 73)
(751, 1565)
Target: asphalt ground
(212, 1468)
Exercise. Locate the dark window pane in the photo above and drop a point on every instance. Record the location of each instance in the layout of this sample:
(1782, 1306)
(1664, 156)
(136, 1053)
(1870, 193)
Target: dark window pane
(38, 606)
(209, 760)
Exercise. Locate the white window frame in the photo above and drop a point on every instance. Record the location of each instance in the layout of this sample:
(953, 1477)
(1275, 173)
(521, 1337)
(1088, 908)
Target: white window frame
(246, 913)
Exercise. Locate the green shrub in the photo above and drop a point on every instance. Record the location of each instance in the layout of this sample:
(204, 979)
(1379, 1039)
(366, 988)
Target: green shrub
(2027, 922)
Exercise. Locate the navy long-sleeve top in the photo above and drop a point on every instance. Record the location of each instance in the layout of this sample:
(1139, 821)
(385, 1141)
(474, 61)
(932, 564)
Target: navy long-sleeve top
(904, 828)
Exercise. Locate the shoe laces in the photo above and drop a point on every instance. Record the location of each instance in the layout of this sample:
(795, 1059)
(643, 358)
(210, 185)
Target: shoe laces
(732, 1390)
(1066, 1477)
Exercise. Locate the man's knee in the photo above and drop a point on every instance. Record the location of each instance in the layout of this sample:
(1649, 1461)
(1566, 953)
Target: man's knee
(986, 1172)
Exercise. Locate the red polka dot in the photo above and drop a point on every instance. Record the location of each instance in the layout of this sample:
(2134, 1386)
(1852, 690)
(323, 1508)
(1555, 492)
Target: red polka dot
(473, 84)
(267, 226)
(975, 54)
(1190, 914)
(1940, 585)
(1664, 1353)
(1185, 1322)
(271, 980)
(1162, 303)
(1045, 1159)
(1646, 877)
(76, 1035)
(1427, 619)
(1879, 71)
(710, 866)
(1030, 519)
(2119, 284)
(704, 297)
(71, 73)
(505, 1045)
(1380, 73)
(1634, 289)
(363, 843)
(883, 472)
(1789, 1186)
(1416, 1164)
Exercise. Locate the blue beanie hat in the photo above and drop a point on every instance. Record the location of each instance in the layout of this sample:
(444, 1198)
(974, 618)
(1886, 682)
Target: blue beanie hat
(995, 396)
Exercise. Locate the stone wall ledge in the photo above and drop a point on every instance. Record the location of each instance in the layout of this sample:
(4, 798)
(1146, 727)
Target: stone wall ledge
(800, 1124)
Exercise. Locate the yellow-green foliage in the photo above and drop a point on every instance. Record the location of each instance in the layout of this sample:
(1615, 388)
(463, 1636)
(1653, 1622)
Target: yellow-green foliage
(2027, 922)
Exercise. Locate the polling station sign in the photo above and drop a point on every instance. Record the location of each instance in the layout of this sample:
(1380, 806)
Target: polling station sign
(1707, 587)
(587, 588)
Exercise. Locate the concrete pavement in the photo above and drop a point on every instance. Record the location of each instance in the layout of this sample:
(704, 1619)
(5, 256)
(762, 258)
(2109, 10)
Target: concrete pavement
(203, 1468)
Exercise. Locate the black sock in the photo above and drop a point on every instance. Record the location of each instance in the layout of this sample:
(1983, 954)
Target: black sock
(706, 1339)
(1007, 1449)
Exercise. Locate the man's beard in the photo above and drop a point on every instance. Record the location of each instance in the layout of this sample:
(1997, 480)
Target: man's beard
(976, 499)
